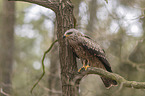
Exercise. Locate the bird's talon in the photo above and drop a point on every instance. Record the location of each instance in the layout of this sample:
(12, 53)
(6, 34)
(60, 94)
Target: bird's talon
(79, 70)
(82, 68)
(86, 67)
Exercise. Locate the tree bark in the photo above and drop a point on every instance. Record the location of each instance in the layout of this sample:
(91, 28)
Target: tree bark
(7, 45)
(65, 21)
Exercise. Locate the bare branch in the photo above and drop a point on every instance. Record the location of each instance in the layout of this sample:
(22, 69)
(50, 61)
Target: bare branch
(45, 3)
(114, 76)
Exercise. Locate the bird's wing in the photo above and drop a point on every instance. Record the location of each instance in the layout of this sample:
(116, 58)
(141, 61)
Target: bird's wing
(94, 49)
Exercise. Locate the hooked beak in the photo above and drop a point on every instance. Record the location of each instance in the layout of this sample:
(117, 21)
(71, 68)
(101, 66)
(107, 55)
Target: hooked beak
(64, 36)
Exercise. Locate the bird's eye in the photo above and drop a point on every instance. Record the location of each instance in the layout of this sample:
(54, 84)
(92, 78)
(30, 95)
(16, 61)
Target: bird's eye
(69, 33)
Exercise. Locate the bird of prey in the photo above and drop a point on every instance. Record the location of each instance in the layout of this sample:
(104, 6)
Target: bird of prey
(89, 52)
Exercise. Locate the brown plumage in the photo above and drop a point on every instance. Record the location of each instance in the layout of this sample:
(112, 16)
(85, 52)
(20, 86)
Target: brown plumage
(88, 50)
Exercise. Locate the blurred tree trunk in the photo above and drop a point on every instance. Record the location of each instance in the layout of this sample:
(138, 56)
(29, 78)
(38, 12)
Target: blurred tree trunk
(76, 11)
(53, 78)
(92, 19)
(7, 45)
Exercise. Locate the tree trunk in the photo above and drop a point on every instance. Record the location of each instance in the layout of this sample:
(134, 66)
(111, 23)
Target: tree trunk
(7, 44)
(65, 21)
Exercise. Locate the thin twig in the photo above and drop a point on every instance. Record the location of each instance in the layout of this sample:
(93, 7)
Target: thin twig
(43, 67)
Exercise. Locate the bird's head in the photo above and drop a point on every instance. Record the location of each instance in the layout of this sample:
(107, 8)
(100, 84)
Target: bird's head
(71, 33)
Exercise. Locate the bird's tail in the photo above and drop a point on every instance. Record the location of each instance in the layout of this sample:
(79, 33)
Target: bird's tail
(108, 82)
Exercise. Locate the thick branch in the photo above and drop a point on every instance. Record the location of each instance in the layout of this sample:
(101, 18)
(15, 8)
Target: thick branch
(45, 3)
(118, 78)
